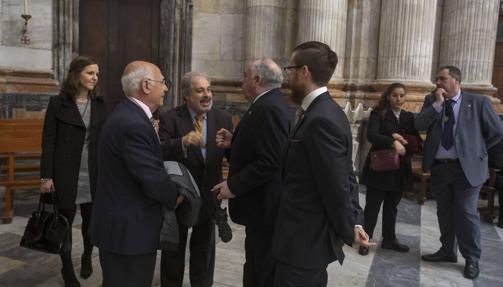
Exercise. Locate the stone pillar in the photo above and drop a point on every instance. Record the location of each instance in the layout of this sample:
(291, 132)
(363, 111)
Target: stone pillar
(265, 29)
(406, 41)
(468, 39)
(324, 21)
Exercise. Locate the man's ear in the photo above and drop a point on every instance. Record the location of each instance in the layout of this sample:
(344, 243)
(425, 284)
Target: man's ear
(257, 80)
(145, 87)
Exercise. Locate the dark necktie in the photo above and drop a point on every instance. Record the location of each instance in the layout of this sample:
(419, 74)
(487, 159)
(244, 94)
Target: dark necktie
(298, 116)
(447, 134)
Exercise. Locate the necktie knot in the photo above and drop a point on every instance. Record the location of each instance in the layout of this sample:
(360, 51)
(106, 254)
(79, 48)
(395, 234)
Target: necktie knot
(198, 123)
(152, 121)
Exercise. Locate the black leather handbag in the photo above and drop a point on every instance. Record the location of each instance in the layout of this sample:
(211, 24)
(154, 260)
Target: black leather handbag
(46, 231)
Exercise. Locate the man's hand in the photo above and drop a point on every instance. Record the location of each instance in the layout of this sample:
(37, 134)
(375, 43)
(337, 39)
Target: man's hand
(46, 185)
(440, 95)
(179, 200)
(224, 138)
(362, 238)
(222, 191)
(193, 138)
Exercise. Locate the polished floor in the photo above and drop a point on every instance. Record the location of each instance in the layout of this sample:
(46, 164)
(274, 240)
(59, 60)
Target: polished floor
(417, 226)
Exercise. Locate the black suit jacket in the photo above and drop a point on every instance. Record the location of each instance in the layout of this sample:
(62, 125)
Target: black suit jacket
(176, 123)
(319, 207)
(65, 132)
(379, 134)
(132, 184)
(254, 173)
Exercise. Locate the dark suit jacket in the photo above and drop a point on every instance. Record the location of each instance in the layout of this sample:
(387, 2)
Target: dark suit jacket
(132, 184)
(319, 207)
(254, 174)
(176, 123)
(63, 140)
(478, 128)
(379, 134)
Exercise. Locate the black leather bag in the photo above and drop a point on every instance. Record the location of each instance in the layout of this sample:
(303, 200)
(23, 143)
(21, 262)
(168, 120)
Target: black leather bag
(46, 231)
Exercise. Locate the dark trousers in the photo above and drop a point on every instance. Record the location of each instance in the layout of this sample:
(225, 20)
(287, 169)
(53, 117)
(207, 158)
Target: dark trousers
(374, 199)
(202, 257)
(85, 212)
(499, 187)
(127, 270)
(258, 270)
(291, 276)
(458, 217)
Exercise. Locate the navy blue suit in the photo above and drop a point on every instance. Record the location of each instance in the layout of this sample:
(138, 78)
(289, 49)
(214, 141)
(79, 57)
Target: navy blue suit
(132, 187)
(254, 177)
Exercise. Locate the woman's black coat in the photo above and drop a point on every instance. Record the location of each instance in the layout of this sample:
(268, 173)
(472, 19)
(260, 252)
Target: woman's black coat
(379, 134)
(62, 143)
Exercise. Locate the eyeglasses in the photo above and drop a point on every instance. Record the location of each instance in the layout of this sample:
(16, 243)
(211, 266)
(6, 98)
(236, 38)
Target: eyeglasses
(288, 69)
(163, 81)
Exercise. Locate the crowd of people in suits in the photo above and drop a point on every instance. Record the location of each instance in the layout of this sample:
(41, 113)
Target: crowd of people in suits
(291, 181)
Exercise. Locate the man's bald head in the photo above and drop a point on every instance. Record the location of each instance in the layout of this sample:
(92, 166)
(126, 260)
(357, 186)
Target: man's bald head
(269, 72)
(133, 75)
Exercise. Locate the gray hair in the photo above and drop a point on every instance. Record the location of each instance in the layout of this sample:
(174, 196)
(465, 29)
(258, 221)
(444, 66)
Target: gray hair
(269, 72)
(131, 82)
(186, 85)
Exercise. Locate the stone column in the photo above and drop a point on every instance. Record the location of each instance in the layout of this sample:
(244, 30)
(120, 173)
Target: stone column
(468, 39)
(406, 41)
(324, 21)
(265, 29)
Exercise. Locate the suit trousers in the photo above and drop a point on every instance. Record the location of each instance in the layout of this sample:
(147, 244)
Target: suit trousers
(458, 217)
(202, 257)
(259, 267)
(127, 270)
(291, 276)
(374, 199)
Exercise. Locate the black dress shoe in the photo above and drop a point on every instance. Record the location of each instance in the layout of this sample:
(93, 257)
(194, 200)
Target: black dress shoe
(224, 230)
(439, 257)
(471, 270)
(86, 267)
(363, 250)
(395, 245)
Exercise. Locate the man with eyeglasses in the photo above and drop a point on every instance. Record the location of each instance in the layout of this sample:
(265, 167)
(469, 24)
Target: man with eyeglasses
(461, 127)
(254, 184)
(188, 135)
(319, 209)
(132, 182)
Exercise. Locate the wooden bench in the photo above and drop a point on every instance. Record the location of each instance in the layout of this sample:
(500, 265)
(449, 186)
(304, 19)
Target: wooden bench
(20, 149)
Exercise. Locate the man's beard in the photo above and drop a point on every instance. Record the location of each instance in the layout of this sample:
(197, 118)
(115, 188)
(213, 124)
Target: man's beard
(297, 94)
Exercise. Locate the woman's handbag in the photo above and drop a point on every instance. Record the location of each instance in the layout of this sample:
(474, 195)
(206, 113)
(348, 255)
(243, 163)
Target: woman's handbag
(384, 160)
(46, 231)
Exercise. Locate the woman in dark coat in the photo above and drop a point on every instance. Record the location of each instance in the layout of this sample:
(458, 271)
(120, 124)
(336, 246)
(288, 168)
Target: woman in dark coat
(72, 125)
(390, 127)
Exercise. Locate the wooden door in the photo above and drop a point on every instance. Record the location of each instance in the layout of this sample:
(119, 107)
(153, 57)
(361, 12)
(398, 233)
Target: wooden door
(498, 57)
(116, 32)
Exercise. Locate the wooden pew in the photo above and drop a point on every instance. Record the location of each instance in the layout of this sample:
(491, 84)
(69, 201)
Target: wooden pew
(20, 149)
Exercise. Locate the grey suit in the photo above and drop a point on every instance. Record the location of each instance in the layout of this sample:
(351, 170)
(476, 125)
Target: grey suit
(456, 184)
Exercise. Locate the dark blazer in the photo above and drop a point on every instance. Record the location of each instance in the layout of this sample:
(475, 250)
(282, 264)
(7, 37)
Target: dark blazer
(132, 184)
(254, 173)
(62, 143)
(319, 207)
(176, 123)
(478, 128)
(379, 134)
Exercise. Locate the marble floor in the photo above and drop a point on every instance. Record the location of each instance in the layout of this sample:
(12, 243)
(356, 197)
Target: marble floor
(416, 225)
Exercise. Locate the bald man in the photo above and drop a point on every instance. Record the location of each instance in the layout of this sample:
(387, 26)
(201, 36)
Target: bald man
(254, 183)
(132, 183)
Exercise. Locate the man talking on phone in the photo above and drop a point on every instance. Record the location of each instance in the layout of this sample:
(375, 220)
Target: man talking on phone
(461, 128)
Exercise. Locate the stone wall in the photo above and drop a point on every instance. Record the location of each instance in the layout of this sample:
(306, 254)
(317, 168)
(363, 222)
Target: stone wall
(37, 54)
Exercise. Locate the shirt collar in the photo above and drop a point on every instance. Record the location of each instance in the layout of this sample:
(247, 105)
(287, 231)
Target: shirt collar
(306, 102)
(261, 95)
(193, 114)
(457, 97)
(142, 105)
